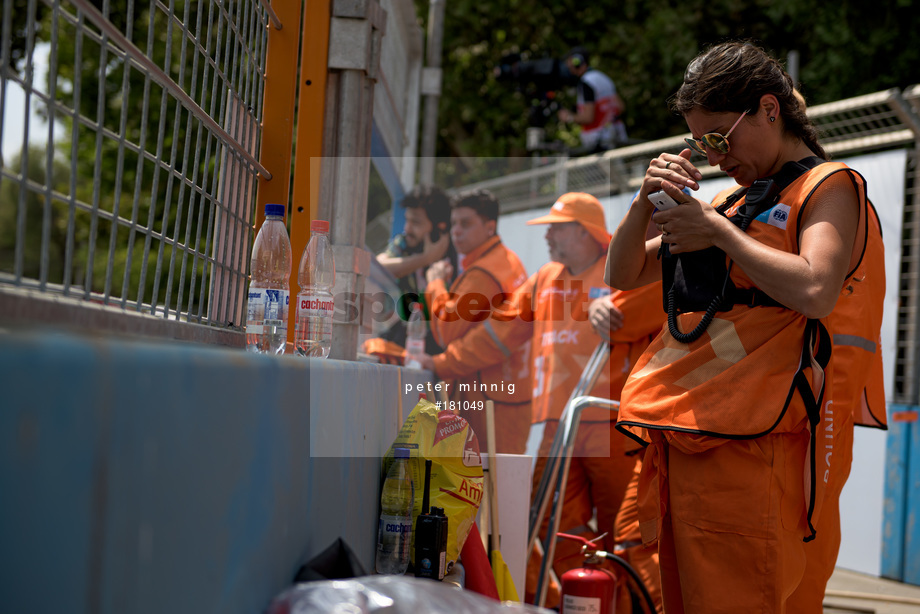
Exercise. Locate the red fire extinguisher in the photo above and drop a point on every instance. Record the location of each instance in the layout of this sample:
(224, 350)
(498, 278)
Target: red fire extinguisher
(593, 589)
(590, 589)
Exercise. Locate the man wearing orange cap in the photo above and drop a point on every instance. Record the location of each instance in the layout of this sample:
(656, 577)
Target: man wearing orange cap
(551, 310)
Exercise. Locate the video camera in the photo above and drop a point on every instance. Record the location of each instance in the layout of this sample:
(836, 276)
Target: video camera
(539, 79)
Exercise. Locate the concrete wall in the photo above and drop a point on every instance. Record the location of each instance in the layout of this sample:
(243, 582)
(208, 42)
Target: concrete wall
(165, 477)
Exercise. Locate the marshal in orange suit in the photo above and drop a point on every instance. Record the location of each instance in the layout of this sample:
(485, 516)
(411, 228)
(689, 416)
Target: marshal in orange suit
(489, 273)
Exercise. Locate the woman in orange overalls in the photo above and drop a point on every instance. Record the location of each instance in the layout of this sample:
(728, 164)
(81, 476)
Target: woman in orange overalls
(732, 402)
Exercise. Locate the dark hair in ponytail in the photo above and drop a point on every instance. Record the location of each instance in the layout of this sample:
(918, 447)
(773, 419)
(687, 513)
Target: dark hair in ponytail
(733, 77)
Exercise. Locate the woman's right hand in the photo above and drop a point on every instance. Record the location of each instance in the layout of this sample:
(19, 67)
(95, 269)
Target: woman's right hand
(669, 167)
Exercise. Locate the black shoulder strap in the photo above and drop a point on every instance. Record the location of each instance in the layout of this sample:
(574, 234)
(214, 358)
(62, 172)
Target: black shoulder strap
(793, 170)
(761, 190)
(764, 193)
(731, 200)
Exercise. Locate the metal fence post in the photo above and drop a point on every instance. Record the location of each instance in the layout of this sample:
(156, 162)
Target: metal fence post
(355, 37)
(431, 90)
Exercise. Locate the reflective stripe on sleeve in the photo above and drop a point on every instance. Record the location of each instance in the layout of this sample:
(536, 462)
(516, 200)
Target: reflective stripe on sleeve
(855, 341)
(488, 326)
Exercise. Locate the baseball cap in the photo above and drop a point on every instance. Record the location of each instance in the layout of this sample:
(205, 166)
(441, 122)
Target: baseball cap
(578, 55)
(578, 207)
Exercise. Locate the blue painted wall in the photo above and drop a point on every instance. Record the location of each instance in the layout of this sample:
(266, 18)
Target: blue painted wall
(165, 477)
(901, 529)
(383, 162)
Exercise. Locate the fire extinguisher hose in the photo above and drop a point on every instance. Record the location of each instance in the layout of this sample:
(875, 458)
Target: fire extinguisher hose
(636, 580)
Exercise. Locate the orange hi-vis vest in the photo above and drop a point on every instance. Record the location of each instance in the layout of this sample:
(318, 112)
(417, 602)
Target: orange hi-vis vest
(756, 370)
(551, 309)
(563, 338)
(492, 274)
(855, 323)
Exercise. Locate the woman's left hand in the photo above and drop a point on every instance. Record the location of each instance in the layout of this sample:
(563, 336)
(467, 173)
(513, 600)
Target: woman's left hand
(690, 226)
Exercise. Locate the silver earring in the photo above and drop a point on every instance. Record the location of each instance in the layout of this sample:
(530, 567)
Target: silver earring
(772, 119)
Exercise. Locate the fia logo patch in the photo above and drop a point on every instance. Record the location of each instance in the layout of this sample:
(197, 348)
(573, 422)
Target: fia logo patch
(777, 216)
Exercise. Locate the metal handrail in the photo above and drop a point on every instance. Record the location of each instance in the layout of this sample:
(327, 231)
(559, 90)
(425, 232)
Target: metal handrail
(880, 120)
(852, 104)
(584, 386)
(569, 428)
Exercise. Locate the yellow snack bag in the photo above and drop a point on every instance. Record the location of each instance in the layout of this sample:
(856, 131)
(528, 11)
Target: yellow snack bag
(456, 469)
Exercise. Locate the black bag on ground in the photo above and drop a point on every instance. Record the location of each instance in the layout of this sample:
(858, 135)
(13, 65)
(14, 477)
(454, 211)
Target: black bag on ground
(337, 562)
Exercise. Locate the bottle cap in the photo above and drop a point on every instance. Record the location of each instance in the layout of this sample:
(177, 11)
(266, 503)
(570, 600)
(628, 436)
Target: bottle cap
(319, 226)
(400, 452)
(273, 209)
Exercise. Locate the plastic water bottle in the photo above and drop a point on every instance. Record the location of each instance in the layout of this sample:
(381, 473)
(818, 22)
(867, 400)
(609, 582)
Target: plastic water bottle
(415, 337)
(395, 528)
(269, 288)
(315, 304)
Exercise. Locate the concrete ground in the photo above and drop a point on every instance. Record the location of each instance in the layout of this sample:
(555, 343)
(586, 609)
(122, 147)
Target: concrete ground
(850, 591)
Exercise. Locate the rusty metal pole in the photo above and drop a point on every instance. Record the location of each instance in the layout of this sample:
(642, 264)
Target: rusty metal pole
(356, 32)
(431, 90)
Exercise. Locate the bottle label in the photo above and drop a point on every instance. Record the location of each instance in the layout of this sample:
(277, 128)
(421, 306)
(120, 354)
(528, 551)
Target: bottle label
(396, 525)
(315, 306)
(266, 308)
(414, 349)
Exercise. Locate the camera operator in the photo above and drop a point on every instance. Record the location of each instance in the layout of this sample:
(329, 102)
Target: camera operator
(598, 107)
(538, 80)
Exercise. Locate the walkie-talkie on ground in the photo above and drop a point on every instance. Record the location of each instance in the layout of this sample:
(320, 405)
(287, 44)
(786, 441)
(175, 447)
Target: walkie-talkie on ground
(430, 537)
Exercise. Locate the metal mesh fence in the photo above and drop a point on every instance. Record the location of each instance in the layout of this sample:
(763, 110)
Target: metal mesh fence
(907, 370)
(907, 375)
(128, 172)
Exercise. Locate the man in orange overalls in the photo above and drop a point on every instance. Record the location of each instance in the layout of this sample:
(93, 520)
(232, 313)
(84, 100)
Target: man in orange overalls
(551, 310)
(489, 273)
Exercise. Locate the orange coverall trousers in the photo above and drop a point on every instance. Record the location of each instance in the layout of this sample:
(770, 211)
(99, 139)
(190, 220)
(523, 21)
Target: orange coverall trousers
(729, 521)
(641, 556)
(821, 553)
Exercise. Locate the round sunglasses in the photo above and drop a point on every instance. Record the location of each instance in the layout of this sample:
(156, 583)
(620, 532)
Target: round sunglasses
(714, 140)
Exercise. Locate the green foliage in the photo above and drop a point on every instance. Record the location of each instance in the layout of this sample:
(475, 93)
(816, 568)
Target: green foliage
(29, 225)
(846, 49)
(21, 40)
